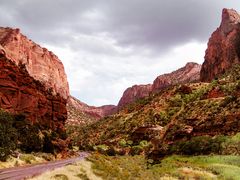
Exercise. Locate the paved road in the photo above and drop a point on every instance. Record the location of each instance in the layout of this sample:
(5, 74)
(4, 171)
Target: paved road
(19, 173)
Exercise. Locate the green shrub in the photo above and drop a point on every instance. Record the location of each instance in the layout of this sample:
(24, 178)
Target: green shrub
(144, 143)
(129, 142)
(30, 138)
(8, 135)
(200, 145)
(136, 150)
(102, 148)
(122, 143)
(60, 177)
(232, 145)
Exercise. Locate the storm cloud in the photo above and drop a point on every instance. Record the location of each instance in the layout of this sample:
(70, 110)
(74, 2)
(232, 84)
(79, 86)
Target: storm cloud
(109, 45)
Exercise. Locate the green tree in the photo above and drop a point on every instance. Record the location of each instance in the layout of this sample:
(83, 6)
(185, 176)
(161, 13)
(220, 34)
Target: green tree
(8, 135)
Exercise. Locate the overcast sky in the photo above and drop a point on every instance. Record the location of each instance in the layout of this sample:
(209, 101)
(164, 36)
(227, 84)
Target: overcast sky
(109, 45)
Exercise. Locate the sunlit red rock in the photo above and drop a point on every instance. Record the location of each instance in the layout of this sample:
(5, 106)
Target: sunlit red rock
(40, 63)
(189, 73)
(133, 93)
(223, 47)
(22, 94)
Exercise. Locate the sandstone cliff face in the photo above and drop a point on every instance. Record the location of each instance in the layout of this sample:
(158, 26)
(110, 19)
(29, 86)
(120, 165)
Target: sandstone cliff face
(133, 93)
(22, 94)
(223, 47)
(40, 63)
(189, 73)
(81, 113)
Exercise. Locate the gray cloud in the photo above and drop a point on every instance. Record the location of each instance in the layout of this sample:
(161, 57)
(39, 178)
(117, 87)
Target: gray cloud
(141, 23)
(117, 43)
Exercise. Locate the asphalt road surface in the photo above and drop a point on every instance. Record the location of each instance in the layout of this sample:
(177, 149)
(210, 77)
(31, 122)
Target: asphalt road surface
(19, 173)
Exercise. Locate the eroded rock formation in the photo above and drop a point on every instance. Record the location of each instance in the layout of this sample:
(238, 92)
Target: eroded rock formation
(33, 82)
(22, 94)
(223, 47)
(40, 63)
(189, 73)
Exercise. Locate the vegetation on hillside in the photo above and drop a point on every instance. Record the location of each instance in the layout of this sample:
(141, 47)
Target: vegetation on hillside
(18, 132)
(172, 167)
(163, 121)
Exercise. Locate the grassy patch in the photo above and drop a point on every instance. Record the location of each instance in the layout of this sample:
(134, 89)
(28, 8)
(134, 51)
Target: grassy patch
(24, 159)
(190, 167)
(80, 170)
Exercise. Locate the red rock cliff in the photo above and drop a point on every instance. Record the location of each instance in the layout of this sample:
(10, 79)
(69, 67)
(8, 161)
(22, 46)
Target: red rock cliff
(22, 94)
(223, 47)
(189, 73)
(40, 63)
(133, 93)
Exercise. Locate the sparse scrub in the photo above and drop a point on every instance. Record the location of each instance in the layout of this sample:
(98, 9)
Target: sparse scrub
(178, 167)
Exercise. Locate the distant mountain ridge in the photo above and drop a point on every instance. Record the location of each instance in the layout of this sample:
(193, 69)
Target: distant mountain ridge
(81, 113)
(189, 73)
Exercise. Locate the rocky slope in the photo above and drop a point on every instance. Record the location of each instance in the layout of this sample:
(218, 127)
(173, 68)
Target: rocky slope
(178, 113)
(223, 47)
(189, 73)
(81, 113)
(40, 63)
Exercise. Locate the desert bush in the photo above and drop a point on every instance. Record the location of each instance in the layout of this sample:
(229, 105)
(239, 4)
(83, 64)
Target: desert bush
(48, 145)
(30, 138)
(102, 148)
(232, 145)
(122, 143)
(176, 101)
(200, 145)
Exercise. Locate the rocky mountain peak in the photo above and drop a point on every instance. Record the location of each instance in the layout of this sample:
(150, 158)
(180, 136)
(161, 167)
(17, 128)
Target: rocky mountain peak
(230, 18)
(223, 47)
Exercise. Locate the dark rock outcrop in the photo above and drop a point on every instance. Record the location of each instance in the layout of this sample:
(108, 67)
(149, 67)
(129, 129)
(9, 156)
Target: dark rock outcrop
(223, 47)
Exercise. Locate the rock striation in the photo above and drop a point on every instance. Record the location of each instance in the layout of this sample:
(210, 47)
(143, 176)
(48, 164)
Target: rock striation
(33, 82)
(22, 94)
(223, 47)
(40, 63)
(189, 73)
